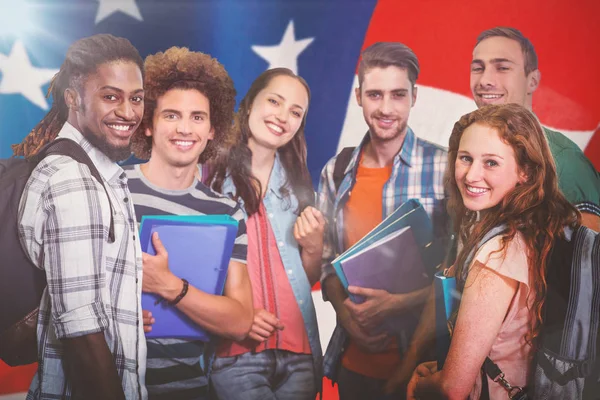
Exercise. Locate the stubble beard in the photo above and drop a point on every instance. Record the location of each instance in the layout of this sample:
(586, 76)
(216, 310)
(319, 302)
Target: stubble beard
(114, 153)
(384, 139)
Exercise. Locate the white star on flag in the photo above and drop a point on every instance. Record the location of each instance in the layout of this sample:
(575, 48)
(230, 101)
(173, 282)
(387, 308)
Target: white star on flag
(108, 7)
(19, 76)
(285, 54)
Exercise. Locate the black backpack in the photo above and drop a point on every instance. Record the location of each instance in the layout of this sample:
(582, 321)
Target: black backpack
(21, 282)
(566, 361)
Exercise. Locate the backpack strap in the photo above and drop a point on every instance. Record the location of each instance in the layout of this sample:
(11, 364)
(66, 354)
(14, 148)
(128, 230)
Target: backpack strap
(492, 233)
(492, 370)
(341, 163)
(69, 148)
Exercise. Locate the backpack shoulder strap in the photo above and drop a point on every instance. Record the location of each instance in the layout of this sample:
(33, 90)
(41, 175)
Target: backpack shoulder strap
(492, 233)
(69, 148)
(341, 163)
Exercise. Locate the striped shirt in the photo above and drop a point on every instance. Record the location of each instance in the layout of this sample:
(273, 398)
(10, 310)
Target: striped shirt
(93, 285)
(417, 173)
(174, 369)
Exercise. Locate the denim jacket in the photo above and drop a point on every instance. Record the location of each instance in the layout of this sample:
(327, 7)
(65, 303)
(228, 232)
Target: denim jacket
(282, 213)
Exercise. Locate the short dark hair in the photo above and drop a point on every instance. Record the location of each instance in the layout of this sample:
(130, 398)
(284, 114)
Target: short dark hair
(180, 68)
(529, 54)
(386, 54)
(83, 59)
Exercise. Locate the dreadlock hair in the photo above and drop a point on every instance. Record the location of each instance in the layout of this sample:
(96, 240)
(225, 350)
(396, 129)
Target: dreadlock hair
(82, 59)
(180, 68)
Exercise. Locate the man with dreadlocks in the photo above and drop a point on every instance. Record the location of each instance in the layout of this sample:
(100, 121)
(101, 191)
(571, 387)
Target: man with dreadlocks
(90, 339)
(188, 111)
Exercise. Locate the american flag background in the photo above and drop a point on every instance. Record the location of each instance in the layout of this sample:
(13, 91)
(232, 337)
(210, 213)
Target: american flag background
(321, 40)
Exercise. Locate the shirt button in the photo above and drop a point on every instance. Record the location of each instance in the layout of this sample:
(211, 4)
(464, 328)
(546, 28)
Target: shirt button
(126, 199)
(280, 244)
(290, 272)
(301, 302)
(270, 215)
(134, 238)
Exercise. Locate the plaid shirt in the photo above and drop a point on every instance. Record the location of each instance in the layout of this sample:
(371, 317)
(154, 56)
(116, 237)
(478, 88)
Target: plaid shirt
(418, 173)
(93, 285)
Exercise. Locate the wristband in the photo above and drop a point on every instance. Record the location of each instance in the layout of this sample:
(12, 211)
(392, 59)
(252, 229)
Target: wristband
(181, 295)
(177, 299)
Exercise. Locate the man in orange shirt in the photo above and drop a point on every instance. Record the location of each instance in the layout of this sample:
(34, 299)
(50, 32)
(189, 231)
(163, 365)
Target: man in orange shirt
(391, 166)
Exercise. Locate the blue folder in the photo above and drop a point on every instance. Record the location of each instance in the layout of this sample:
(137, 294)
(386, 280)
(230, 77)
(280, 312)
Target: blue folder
(409, 214)
(379, 267)
(199, 248)
(447, 299)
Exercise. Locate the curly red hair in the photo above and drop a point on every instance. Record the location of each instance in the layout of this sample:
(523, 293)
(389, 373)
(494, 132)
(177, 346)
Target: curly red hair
(536, 208)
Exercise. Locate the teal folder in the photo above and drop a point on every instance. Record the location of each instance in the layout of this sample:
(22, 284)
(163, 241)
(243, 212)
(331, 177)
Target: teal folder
(447, 299)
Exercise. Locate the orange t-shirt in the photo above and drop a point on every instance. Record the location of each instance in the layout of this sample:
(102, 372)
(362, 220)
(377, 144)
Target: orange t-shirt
(362, 213)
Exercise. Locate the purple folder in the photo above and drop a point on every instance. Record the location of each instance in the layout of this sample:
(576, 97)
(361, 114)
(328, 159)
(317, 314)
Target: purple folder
(393, 263)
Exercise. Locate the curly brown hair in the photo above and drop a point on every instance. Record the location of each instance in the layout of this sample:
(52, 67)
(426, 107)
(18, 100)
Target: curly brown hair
(180, 68)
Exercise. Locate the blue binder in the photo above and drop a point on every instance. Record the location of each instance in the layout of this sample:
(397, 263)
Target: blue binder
(200, 248)
(447, 299)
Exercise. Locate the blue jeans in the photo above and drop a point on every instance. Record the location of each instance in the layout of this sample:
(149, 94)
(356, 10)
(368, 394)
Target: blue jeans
(268, 375)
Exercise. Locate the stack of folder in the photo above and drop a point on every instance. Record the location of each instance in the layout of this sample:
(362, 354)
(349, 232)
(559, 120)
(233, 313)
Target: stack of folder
(199, 248)
(399, 255)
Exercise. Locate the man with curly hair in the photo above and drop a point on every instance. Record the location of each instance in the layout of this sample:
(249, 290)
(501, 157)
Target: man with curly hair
(188, 110)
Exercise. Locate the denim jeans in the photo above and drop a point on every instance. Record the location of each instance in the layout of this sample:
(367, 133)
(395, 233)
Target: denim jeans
(354, 386)
(268, 375)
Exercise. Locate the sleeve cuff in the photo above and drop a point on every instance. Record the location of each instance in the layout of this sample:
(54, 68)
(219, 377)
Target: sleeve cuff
(239, 259)
(326, 271)
(81, 321)
(588, 207)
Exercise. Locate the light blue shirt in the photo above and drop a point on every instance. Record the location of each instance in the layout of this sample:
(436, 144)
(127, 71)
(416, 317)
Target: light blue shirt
(282, 213)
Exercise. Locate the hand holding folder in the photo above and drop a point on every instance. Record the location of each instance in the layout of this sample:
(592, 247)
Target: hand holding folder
(404, 240)
(396, 256)
(199, 249)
